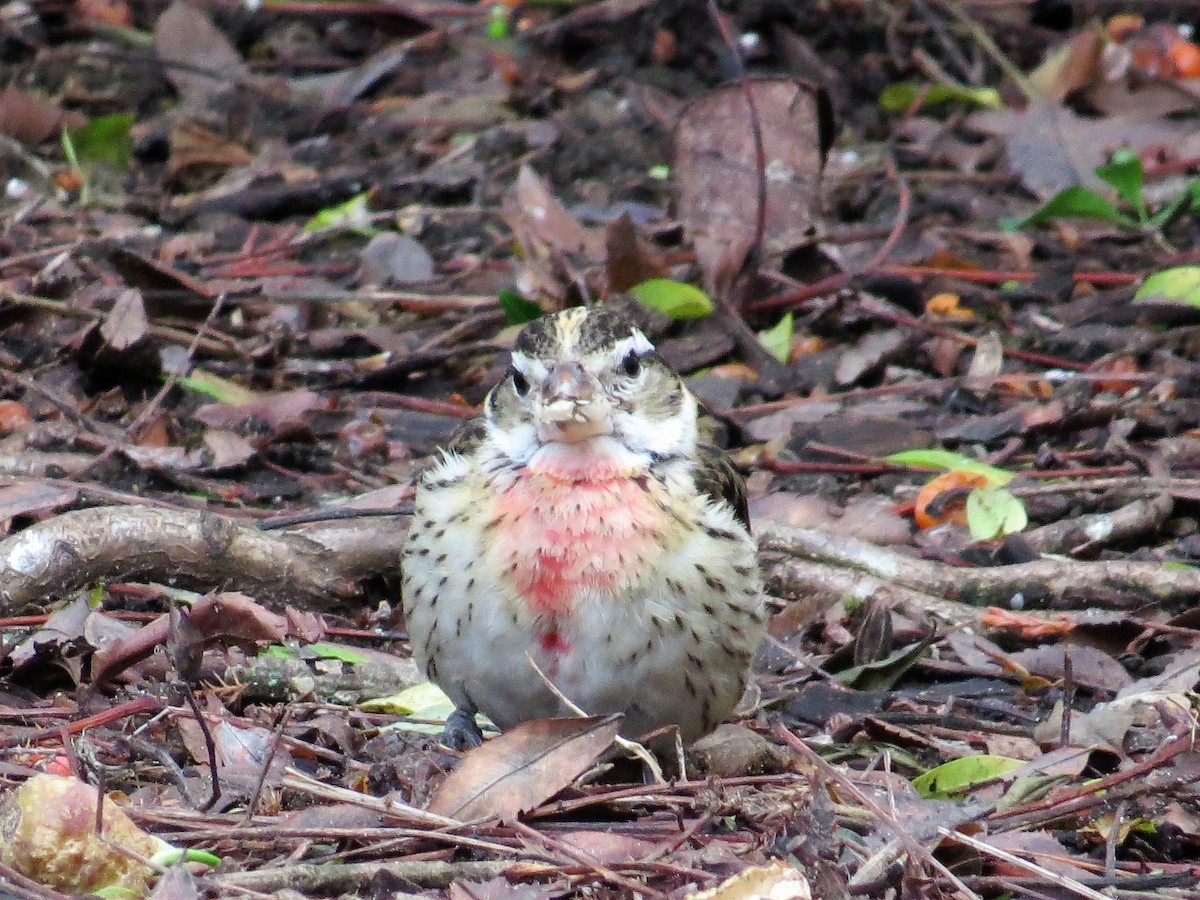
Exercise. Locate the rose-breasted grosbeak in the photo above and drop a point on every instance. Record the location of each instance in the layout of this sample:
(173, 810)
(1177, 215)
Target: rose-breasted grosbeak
(581, 520)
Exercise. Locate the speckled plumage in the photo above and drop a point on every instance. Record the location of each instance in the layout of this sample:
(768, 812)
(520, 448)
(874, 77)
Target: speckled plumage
(580, 521)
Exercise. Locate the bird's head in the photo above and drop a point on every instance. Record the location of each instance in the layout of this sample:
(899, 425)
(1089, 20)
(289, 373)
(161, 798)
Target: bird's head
(589, 375)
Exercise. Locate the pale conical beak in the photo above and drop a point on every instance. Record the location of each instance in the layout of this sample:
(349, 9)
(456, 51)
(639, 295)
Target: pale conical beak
(571, 406)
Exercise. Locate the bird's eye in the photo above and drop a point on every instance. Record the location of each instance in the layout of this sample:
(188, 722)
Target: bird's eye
(520, 383)
(632, 365)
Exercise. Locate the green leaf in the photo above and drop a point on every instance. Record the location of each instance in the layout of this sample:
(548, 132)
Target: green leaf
(959, 774)
(949, 460)
(778, 338)
(518, 310)
(883, 674)
(352, 215)
(202, 856)
(220, 389)
(900, 97)
(676, 299)
(421, 701)
(1179, 283)
(1072, 203)
(169, 854)
(497, 28)
(425, 700)
(1125, 173)
(116, 892)
(994, 512)
(321, 649)
(103, 139)
(325, 650)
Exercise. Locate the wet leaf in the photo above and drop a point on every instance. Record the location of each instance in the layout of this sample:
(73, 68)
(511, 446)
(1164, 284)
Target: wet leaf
(523, 767)
(1053, 148)
(629, 258)
(957, 775)
(675, 298)
(421, 701)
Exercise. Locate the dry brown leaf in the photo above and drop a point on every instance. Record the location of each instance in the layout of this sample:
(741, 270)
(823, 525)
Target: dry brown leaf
(553, 242)
(35, 497)
(523, 767)
(126, 324)
(31, 119)
(106, 12)
(630, 258)
(200, 61)
(717, 170)
(1052, 148)
(985, 365)
(192, 146)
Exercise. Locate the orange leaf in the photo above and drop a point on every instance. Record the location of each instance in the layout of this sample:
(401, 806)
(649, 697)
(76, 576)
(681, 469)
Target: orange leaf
(1185, 57)
(13, 416)
(948, 305)
(1120, 365)
(1028, 626)
(947, 495)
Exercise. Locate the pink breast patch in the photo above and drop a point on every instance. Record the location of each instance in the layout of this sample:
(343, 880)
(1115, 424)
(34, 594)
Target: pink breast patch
(567, 532)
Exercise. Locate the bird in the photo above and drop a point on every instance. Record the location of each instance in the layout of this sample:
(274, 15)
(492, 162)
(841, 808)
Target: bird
(582, 533)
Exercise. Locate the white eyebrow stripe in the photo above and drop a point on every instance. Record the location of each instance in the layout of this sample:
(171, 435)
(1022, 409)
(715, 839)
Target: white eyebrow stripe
(529, 366)
(636, 343)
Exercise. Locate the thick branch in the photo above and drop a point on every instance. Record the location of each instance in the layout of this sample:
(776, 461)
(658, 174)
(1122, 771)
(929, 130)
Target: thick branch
(995, 585)
(197, 550)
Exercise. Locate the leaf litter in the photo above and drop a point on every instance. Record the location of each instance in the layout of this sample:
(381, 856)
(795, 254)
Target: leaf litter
(214, 409)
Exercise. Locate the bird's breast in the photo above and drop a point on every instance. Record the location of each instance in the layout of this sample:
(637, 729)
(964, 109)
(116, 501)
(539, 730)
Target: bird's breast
(566, 534)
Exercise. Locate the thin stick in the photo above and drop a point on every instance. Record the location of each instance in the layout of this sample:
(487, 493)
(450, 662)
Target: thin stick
(625, 744)
(1062, 881)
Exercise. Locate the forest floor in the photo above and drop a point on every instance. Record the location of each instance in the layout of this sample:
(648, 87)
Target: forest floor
(257, 264)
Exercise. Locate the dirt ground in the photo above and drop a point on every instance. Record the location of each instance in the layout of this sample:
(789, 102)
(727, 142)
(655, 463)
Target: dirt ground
(257, 263)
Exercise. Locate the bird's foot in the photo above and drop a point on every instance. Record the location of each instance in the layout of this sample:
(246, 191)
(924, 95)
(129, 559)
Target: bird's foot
(462, 732)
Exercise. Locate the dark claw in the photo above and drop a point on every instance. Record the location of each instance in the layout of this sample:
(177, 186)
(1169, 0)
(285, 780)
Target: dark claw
(461, 732)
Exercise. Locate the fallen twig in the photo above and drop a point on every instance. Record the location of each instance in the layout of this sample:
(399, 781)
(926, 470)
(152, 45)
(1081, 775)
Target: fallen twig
(995, 585)
(196, 549)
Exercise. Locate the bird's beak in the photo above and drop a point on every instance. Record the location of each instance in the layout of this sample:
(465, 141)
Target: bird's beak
(571, 405)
